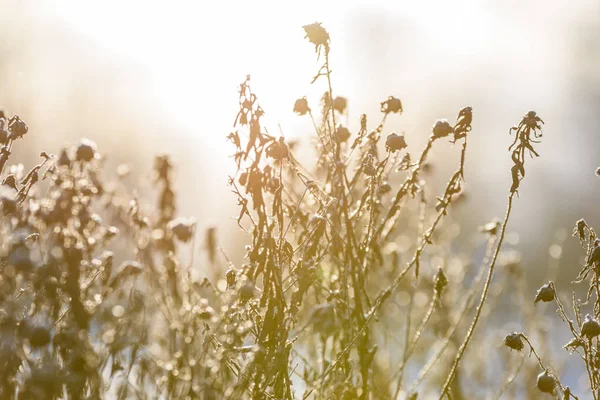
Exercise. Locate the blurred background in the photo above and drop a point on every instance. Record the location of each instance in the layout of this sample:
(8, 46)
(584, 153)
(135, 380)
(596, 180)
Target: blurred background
(144, 77)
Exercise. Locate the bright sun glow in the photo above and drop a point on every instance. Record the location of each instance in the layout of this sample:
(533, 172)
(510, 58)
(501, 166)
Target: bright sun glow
(198, 52)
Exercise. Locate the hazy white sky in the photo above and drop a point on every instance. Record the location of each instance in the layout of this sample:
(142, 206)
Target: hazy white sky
(503, 57)
(197, 51)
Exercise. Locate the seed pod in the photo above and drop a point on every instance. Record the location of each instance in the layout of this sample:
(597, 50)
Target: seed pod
(301, 106)
(278, 150)
(206, 313)
(579, 229)
(395, 142)
(595, 255)
(246, 292)
(317, 35)
(440, 281)
(590, 328)
(546, 293)
(64, 159)
(10, 181)
(442, 128)
(231, 276)
(545, 382)
(340, 104)
(391, 105)
(514, 341)
(86, 150)
(342, 133)
(369, 169)
(17, 128)
(463, 123)
(182, 228)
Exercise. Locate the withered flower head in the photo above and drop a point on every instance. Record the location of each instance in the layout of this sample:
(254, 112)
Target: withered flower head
(301, 106)
(317, 35)
(182, 228)
(590, 328)
(463, 123)
(545, 382)
(17, 128)
(278, 150)
(86, 150)
(395, 142)
(246, 292)
(231, 277)
(340, 104)
(391, 105)
(546, 293)
(442, 128)
(513, 341)
(11, 182)
(64, 159)
(440, 281)
(342, 133)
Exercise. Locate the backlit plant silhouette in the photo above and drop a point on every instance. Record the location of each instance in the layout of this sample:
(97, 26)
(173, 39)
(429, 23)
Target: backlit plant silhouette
(350, 286)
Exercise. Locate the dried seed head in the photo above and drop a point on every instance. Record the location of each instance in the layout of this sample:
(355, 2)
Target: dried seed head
(231, 276)
(514, 341)
(595, 254)
(17, 128)
(64, 159)
(545, 382)
(162, 167)
(579, 229)
(463, 123)
(10, 181)
(368, 167)
(442, 128)
(86, 151)
(342, 133)
(317, 35)
(546, 293)
(440, 281)
(182, 228)
(301, 106)
(206, 313)
(590, 328)
(246, 292)
(391, 105)
(340, 104)
(278, 150)
(395, 142)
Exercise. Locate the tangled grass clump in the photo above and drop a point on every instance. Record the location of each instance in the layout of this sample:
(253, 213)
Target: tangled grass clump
(350, 288)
